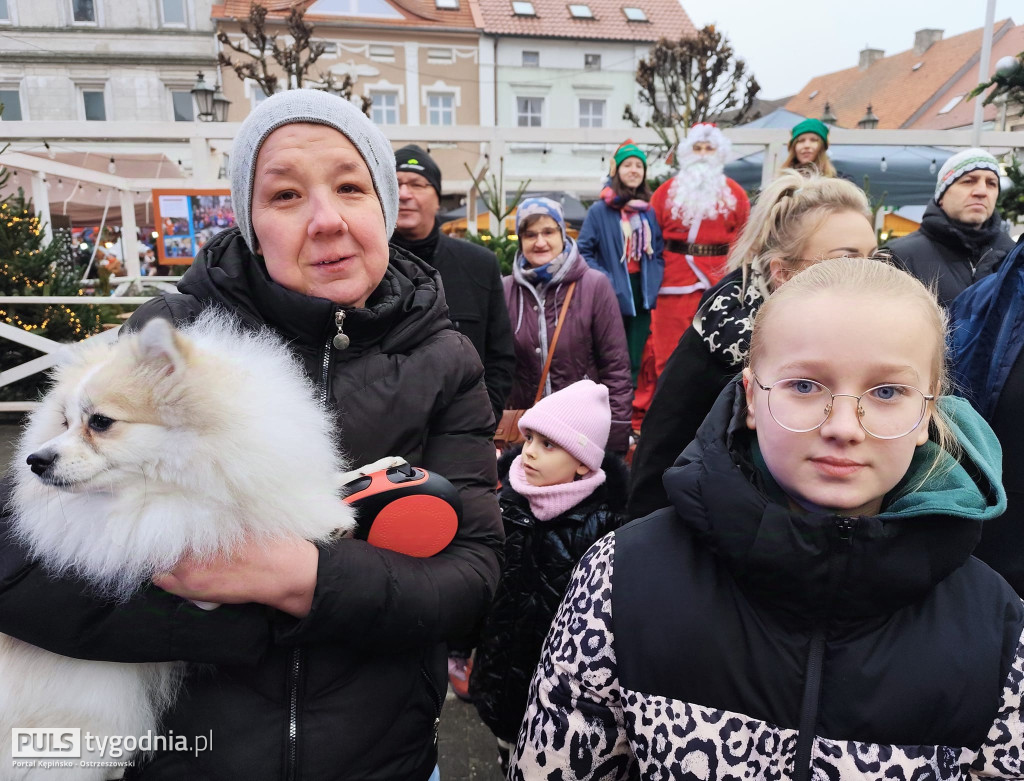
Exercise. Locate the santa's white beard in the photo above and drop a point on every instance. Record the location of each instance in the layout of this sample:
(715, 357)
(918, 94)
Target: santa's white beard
(700, 191)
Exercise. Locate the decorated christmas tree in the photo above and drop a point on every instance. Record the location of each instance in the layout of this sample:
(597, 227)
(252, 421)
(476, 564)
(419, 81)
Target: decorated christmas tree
(29, 266)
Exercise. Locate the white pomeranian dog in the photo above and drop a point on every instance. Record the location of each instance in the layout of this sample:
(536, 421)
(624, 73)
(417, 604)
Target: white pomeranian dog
(165, 444)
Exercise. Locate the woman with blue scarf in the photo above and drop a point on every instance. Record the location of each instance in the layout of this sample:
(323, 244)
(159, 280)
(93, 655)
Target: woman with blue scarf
(621, 238)
(547, 270)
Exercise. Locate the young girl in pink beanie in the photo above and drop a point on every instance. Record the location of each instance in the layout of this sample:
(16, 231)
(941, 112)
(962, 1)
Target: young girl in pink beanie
(561, 493)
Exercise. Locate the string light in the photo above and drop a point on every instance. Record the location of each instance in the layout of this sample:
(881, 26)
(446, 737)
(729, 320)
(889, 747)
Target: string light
(112, 166)
(884, 166)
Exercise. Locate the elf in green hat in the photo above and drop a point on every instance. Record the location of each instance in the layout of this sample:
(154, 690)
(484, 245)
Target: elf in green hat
(621, 238)
(807, 148)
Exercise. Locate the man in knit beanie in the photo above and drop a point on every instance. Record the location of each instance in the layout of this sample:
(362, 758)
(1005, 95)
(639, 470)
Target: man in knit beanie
(961, 238)
(469, 272)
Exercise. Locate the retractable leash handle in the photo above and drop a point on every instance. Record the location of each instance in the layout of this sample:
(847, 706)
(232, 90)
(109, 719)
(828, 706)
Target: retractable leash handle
(399, 507)
(406, 509)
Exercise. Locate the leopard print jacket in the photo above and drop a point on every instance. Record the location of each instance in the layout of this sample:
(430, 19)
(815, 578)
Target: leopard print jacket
(582, 724)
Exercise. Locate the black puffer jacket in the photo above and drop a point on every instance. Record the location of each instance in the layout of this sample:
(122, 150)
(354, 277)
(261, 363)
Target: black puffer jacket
(353, 691)
(950, 253)
(539, 559)
(732, 634)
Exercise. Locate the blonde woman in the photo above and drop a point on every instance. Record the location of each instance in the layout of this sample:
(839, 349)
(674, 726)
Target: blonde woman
(797, 221)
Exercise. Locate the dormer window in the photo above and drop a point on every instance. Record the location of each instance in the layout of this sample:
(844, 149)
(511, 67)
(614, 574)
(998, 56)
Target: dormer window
(634, 14)
(581, 11)
(523, 8)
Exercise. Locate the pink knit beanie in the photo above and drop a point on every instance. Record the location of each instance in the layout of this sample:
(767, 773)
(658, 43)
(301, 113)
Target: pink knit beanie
(576, 418)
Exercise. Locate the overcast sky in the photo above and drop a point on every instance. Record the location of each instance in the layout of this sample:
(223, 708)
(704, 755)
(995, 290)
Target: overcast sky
(786, 44)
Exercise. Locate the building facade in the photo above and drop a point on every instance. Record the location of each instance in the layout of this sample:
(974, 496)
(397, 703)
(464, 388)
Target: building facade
(103, 60)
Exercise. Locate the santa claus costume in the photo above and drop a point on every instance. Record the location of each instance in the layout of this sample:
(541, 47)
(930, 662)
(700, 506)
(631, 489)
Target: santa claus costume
(701, 213)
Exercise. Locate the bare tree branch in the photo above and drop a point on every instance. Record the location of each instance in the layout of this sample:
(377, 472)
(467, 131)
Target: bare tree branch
(296, 56)
(692, 80)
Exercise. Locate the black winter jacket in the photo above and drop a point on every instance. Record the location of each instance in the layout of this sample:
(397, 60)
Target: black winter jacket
(539, 559)
(687, 389)
(354, 690)
(950, 253)
(731, 637)
(476, 306)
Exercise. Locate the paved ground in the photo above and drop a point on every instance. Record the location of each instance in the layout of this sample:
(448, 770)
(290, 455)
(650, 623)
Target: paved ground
(466, 746)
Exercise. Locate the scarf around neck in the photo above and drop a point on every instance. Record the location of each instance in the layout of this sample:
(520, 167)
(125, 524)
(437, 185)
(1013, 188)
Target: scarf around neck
(550, 501)
(541, 275)
(637, 240)
(975, 240)
(726, 319)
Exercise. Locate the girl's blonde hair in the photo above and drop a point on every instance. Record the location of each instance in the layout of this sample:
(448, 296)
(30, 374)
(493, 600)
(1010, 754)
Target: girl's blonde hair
(821, 164)
(787, 212)
(877, 279)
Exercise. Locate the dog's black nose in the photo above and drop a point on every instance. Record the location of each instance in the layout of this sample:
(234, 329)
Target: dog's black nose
(41, 461)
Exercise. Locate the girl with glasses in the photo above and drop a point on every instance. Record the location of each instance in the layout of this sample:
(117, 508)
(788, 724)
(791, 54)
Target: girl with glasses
(808, 607)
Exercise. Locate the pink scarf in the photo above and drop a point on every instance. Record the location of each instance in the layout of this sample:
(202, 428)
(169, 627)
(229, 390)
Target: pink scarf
(636, 230)
(550, 501)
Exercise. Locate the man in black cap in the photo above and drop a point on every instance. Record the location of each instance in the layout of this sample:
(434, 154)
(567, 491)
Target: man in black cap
(469, 272)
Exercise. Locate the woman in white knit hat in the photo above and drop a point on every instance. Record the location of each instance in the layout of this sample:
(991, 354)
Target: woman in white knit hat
(339, 671)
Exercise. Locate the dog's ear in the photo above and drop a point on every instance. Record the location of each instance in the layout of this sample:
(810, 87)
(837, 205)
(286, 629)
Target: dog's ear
(161, 346)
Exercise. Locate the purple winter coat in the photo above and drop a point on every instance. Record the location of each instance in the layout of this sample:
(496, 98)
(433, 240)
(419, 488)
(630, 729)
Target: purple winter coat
(592, 344)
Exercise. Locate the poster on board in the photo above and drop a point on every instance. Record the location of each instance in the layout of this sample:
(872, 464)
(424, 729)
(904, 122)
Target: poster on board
(186, 220)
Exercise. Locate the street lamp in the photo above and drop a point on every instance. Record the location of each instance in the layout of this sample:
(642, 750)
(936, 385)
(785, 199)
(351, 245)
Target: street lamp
(220, 106)
(869, 121)
(827, 116)
(203, 93)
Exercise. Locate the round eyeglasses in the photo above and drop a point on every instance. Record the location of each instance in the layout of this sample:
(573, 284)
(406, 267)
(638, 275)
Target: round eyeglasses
(887, 411)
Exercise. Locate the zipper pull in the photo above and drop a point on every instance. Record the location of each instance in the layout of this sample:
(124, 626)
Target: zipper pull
(437, 726)
(845, 528)
(341, 340)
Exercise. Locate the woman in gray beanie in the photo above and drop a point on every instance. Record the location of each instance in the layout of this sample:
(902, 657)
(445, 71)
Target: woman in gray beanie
(340, 672)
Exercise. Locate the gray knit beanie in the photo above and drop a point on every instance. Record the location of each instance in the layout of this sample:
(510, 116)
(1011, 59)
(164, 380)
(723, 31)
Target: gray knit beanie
(320, 108)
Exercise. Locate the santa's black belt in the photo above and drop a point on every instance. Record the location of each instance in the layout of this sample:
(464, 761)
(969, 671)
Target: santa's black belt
(699, 250)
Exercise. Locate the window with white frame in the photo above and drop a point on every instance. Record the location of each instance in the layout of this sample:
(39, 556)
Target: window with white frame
(5, 11)
(181, 101)
(592, 62)
(447, 5)
(580, 11)
(634, 14)
(385, 107)
(95, 104)
(11, 99)
(83, 11)
(523, 8)
(440, 108)
(440, 56)
(529, 111)
(531, 59)
(173, 12)
(382, 53)
(591, 112)
(330, 47)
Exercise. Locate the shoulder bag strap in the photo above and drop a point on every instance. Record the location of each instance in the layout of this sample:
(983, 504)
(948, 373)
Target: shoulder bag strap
(554, 341)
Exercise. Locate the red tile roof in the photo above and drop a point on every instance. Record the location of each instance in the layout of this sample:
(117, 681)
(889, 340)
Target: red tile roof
(415, 13)
(666, 19)
(1011, 43)
(892, 85)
